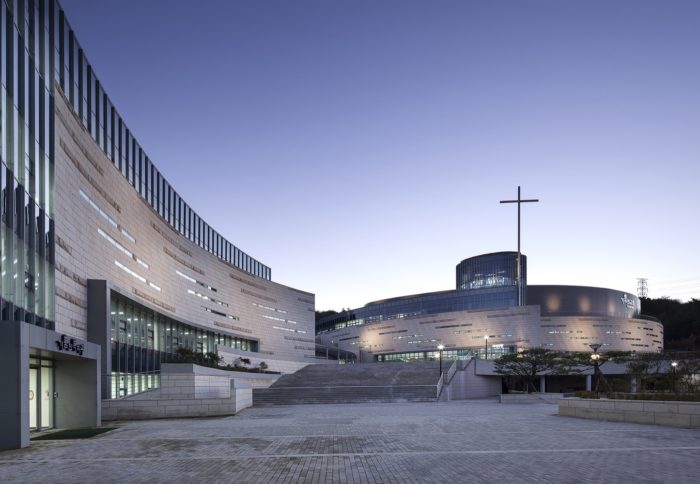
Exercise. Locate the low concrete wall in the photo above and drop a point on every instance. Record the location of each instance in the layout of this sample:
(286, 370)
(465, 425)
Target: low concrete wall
(552, 398)
(673, 414)
(186, 391)
(256, 380)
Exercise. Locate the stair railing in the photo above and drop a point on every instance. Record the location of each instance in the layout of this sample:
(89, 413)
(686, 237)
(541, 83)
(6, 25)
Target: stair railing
(451, 373)
(439, 386)
(446, 378)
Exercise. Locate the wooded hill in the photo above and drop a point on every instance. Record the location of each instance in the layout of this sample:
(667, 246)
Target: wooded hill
(681, 321)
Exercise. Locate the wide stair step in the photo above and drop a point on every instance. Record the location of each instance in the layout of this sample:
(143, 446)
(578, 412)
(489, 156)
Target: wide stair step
(360, 383)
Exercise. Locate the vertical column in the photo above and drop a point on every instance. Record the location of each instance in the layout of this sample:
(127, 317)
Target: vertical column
(14, 381)
(99, 320)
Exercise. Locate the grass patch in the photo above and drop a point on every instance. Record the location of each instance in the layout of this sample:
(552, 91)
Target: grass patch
(84, 433)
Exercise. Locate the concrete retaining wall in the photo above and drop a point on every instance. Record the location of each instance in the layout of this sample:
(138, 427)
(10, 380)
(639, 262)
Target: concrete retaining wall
(673, 414)
(531, 397)
(186, 391)
(256, 380)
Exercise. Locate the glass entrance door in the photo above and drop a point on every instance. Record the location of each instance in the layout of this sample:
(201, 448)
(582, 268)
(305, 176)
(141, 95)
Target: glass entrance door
(46, 396)
(33, 397)
(41, 394)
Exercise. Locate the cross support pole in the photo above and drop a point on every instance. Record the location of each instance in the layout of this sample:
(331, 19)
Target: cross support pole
(519, 270)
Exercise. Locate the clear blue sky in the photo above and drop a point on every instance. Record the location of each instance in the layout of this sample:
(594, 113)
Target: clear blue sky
(360, 148)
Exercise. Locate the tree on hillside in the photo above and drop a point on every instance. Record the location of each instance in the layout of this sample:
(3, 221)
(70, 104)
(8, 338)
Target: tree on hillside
(681, 321)
(323, 314)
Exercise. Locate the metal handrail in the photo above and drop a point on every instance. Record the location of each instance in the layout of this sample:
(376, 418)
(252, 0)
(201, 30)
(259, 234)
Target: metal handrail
(446, 378)
(451, 372)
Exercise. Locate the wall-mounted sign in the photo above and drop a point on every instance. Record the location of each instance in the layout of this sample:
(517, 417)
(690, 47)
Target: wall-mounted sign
(627, 302)
(69, 344)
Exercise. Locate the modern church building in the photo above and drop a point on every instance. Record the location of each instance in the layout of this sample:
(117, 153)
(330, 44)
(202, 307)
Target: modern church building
(106, 270)
(481, 318)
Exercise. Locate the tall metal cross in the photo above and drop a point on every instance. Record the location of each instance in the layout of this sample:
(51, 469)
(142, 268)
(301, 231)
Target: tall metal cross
(520, 282)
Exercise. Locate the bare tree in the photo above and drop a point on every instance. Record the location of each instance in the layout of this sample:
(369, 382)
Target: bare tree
(531, 363)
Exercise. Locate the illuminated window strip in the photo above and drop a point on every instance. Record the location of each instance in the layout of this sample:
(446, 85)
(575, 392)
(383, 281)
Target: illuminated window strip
(291, 330)
(122, 248)
(107, 217)
(192, 279)
(207, 298)
(114, 242)
(99, 210)
(218, 313)
(282, 320)
(262, 306)
(129, 271)
(127, 234)
(136, 275)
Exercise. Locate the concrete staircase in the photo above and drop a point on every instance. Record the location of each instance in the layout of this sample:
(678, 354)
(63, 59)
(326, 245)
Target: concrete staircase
(359, 383)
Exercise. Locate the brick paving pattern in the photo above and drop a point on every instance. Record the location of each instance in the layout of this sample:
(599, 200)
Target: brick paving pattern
(459, 441)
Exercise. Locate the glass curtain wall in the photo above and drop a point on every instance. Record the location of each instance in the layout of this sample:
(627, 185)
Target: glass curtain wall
(26, 152)
(463, 354)
(423, 304)
(142, 339)
(494, 352)
(490, 270)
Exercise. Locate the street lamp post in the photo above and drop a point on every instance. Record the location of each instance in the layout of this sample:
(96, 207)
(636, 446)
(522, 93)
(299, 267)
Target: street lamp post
(596, 365)
(674, 364)
(440, 348)
(486, 347)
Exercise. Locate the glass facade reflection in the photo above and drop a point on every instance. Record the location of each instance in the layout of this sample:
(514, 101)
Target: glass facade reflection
(421, 304)
(142, 339)
(490, 270)
(26, 152)
(463, 354)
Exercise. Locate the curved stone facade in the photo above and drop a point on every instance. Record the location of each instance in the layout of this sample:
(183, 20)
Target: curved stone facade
(481, 318)
(106, 231)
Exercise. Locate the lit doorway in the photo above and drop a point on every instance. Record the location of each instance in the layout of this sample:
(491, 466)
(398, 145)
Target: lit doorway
(41, 394)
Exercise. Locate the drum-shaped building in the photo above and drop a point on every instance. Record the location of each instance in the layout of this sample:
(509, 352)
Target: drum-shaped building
(482, 318)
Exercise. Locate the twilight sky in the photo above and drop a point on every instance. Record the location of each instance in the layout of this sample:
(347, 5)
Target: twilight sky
(360, 148)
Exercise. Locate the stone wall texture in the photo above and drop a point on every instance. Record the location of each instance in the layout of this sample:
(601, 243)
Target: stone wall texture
(105, 230)
(673, 414)
(184, 392)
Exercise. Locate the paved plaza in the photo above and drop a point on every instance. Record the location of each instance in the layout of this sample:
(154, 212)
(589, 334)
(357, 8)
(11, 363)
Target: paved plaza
(459, 441)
